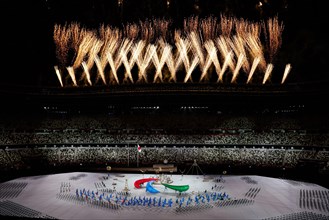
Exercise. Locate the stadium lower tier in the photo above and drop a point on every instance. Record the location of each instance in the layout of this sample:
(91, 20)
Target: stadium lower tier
(309, 162)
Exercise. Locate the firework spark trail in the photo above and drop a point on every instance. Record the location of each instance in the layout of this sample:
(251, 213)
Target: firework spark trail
(86, 72)
(96, 46)
(226, 25)
(238, 46)
(223, 44)
(72, 75)
(255, 29)
(211, 58)
(209, 28)
(190, 69)
(116, 63)
(136, 50)
(113, 67)
(162, 27)
(239, 64)
(112, 47)
(123, 52)
(227, 62)
(212, 51)
(160, 63)
(244, 27)
(268, 72)
(286, 72)
(177, 35)
(58, 75)
(101, 60)
(181, 52)
(196, 47)
(154, 29)
(256, 50)
(77, 34)
(147, 31)
(84, 48)
(61, 38)
(274, 30)
(179, 56)
(190, 25)
(183, 48)
(111, 40)
(131, 31)
(108, 36)
(253, 68)
(144, 61)
(88, 51)
(171, 66)
(105, 34)
(248, 39)
(100, 68)
(241, 27)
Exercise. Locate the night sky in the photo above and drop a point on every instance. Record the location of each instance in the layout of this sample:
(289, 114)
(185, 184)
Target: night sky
(29, 50)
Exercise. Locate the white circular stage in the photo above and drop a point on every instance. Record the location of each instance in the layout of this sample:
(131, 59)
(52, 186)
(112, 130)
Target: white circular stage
(109, 195)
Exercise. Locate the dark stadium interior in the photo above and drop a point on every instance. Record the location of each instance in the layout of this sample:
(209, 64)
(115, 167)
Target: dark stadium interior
(272, 129)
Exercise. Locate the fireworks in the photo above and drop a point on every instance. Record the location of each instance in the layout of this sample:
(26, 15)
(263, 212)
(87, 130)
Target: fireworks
(58, 75)
(150, 52)
(253, 68)
(268, 73)
(274, 37)
(286, 72)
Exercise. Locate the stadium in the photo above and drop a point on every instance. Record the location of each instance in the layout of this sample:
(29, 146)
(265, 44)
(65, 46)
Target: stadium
(167, 109)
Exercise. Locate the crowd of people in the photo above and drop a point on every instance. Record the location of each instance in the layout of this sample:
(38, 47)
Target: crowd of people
(278, 141)
(258, 156)
(259, 140)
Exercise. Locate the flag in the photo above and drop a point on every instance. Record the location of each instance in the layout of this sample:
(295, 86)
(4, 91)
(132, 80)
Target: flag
(139, 148)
